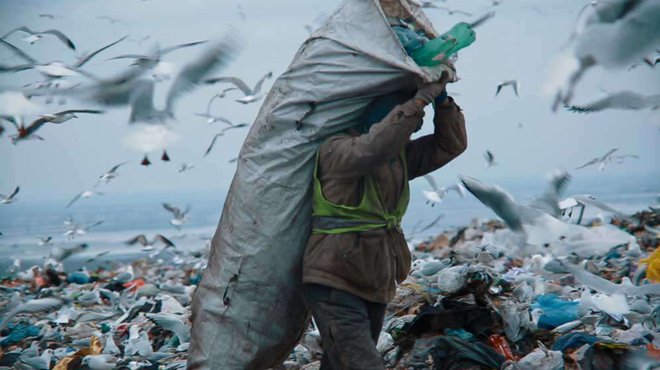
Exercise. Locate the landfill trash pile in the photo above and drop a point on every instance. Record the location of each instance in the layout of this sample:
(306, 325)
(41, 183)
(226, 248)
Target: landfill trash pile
(471, 304)
(466, 304)
(130, 316)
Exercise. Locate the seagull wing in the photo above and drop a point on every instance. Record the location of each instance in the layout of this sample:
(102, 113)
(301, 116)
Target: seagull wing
(74, 199)
(91, 55)
(257, 87)
(240, 84)
(130, 56)
(142, 102)
(164, 240)
(549, 201)
(33, 306)
(138, 239)
(208, 150)
(90, 111)
(595, 106)
(67, 41)
(515, 87)
(591, 201)
(431, 180)
(18, 51)
(114, 168)
(499, 88)
(591, 162)
(22, 29)
(496, 199)
(175, 210)
(430, 225)
(170, 49)
(219, 55)
(171, 323)
(608, 154)
(93, 224)
(13, 194)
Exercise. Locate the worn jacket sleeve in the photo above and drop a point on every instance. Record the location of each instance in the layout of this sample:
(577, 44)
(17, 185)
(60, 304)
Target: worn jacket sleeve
(448, 141)
(354, 156)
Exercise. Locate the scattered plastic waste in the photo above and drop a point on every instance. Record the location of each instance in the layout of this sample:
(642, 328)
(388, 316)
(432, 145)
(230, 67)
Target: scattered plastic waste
(455, 310)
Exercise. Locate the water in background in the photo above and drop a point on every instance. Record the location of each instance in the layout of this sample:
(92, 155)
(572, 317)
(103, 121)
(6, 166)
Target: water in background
(125, 216)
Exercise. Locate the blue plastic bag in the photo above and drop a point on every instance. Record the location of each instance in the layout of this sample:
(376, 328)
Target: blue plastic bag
(555, 311)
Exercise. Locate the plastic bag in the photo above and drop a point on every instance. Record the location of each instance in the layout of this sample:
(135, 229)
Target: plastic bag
(555, 311)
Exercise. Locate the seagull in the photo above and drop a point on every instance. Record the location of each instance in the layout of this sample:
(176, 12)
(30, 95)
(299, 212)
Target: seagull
(600, 161)
(173, 323)
(33, 306)
(221, 133)
(147, 245)
(96, 256)
(34, 36)
(549, 201)
(213, 119)
(150, 60)
(139, 93)
(490, 159)
(100, 362)
(651, 62)
(219, 95)
(4, 199)
(83, 194)
(59, 117)
(439, 193)
(251, 95)
(179, 216)
(111, 174)
(621, 100)
(590, 200)
(45, 241)
(60, 254)
(540, 229)
(512, 83)
(185, 167)
(613, 34)
(137, 343)
(49, 16)
(75, 229)
(112, 20)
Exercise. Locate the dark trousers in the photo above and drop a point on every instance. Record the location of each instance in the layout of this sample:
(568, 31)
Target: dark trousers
(349, 328)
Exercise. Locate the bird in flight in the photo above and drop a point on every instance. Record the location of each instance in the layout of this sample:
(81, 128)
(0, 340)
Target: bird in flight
(251, 94)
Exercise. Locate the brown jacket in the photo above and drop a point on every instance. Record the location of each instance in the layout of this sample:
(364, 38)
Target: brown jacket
(369, 263)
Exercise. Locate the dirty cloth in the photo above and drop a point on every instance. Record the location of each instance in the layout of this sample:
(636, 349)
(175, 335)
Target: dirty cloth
(349, 328)
(370, 263)
(452, 353)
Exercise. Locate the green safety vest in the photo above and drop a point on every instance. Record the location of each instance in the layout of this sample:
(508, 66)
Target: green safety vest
(331, 218)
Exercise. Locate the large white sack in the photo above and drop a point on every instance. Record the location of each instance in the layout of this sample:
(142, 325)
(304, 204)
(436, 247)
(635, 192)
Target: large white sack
(255, 261)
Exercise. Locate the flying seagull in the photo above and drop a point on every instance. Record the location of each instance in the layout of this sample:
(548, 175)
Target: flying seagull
(251, 95)
(111, 174)
(150, 60)
(34, 36)
(59, 117)
(613, 34)
(600, 161)
(221, 133)
(4, 199)
(185, 167)
(490, 159)
(180, 217)
(84, 194)
(438, 193)
(621, 100)
(512, 83)
(75, 229)
(149, 245)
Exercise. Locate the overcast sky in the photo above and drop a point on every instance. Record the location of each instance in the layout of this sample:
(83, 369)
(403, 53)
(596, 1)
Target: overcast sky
(520, 42)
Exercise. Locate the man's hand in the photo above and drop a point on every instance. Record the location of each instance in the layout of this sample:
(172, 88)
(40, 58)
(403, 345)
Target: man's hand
(429, 91)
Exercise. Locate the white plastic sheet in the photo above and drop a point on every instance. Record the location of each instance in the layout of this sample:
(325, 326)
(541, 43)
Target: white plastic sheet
(247, 310)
